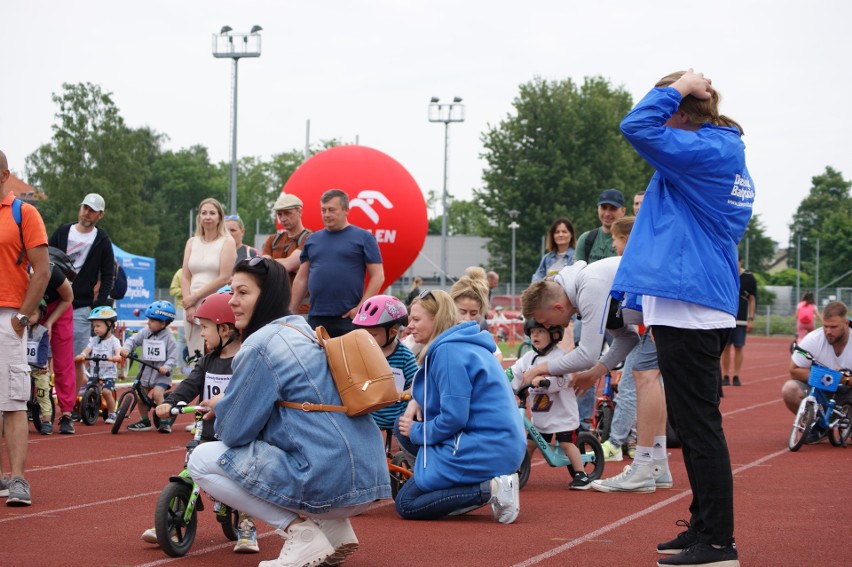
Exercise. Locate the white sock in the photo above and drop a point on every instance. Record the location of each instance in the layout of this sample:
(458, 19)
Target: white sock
(659, 449)
(643, 456)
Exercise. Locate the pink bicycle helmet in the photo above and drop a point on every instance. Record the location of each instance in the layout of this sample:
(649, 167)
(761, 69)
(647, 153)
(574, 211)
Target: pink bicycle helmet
(215, 308)
(381, 311)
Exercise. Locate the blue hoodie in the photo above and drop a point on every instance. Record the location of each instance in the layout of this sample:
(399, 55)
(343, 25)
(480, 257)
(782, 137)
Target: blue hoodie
(696, 209)
(471, 429)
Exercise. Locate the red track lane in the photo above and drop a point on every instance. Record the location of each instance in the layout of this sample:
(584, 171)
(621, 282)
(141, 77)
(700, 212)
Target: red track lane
(94, 493)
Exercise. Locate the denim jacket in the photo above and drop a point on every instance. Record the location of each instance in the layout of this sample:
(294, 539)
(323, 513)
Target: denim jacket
(548, 260)
(311, 461)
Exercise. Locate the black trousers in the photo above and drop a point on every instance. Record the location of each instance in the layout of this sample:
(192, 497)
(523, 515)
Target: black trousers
(336, 326)
(689, 360)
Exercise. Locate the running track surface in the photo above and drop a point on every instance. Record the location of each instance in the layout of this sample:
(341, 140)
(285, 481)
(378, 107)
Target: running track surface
(94, 493)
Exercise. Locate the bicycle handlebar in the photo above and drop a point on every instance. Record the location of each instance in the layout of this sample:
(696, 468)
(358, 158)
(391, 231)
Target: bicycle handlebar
(844, 371)
(97, 359)
(524, 390)
(132, 356)
(183, 408)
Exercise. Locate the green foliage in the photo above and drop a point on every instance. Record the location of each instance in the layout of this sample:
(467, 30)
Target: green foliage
(825, 215)
(552, 157)
(465, 217)
(92, 151)
(761, 248)
(788, 277)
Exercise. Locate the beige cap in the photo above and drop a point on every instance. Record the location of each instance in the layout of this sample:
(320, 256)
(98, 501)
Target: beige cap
(94, 202)
(286, 201)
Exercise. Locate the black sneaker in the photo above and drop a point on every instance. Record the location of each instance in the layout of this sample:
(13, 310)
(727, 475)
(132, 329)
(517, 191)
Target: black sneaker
(581, 481)
(815, 435)
(737, 381)
(701, 553)
(66, 427)
(726, 380)
(683, 540)
(141, 425)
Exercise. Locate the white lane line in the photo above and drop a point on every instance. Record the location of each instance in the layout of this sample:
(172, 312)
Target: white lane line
(627, 519)
(97, 461)
(77, 507)
(769, 403)
(199, 552)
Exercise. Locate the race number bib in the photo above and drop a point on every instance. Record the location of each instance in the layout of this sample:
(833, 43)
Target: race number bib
(398, 379)
(215, 384)
(154, 350)
(32, 352)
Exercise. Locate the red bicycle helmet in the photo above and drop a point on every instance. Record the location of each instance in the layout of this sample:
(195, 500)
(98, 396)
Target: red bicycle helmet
(215, 308)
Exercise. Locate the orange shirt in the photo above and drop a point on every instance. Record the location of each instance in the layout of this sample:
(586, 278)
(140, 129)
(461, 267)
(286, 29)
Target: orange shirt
(15, 280)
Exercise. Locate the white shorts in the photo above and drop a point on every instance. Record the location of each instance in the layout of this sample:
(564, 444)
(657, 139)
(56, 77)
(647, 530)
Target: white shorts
(14, 370)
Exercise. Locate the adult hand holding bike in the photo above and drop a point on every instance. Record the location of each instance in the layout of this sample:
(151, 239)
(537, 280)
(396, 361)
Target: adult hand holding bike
(587, 378)
(211, 406)
(537, 370)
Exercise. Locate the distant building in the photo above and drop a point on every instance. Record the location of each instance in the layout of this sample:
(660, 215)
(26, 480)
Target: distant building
(23, 191)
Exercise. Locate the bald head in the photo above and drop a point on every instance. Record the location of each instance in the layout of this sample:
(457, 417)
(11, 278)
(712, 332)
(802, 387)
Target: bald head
(4, 170)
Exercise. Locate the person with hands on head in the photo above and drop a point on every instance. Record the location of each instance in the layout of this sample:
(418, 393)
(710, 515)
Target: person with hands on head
(582, 289)
(462, 425)
(335, 261)
(209, 379)
(21, 243)
(281, 464)
(208, 259)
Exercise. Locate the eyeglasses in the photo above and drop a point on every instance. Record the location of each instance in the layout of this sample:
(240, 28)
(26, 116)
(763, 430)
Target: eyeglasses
(232, 217)
(426, 293)
(252, 262)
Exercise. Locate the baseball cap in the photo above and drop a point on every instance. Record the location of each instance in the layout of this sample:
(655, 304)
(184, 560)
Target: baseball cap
(286, 201)
(94, 201)
(611, 197)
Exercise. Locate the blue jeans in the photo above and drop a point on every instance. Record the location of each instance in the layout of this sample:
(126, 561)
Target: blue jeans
(412, 503)
(624, 417)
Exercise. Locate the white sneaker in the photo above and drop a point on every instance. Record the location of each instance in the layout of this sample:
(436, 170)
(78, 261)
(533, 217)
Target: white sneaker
(342, 538)
(304, 546)
(190, 427)
(149, 535)
(635, 478)
(611, 452)
(662, 474)
(505, 501)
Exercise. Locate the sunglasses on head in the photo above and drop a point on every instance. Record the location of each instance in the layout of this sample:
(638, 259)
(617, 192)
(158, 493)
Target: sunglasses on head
(232, 217)
(426, 293)
(252, 262)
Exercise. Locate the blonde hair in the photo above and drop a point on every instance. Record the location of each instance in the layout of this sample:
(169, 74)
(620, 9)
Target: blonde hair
(542, 293)
(700, 111)
(221, 230)
(472, 285)
(442, 308)
(418, 281)
(622, 227)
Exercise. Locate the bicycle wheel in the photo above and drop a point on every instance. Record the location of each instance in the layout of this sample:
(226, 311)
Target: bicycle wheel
(35, 414)
(524, 348)
(125, 407)
(230, 521)
(90, 406)
(802, 425)
(592, 454)
(603, 421)
(174, 535)
(397, 478)
(524, 470)
(839, 434)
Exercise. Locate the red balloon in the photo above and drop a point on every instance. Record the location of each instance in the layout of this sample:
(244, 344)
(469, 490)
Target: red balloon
(383, 199)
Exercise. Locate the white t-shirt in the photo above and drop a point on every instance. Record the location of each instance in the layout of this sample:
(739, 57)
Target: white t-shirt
(553, 409)
(79, 244)
(682, 315)
(816, 344)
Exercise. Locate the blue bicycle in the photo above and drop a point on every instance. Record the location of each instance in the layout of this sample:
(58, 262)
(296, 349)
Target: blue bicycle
(590, 448)
(825, 406)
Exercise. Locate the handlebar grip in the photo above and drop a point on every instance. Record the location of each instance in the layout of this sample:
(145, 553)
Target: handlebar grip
(545, 383)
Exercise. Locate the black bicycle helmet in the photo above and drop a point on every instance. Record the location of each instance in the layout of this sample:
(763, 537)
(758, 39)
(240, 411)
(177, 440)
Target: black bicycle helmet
(556, 334)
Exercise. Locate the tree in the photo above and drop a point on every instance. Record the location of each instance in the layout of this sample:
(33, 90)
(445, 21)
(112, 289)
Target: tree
(825, 215)
(761, 248)
(465, 217)
(93, 151)
(552, 157)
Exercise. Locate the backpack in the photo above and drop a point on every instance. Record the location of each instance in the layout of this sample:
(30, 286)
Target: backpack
(61, 260)
(590, 241)
(360, 370)
(119, 284)
(16, 214)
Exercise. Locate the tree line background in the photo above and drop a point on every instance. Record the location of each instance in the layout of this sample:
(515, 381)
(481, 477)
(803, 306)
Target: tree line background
(550, 156)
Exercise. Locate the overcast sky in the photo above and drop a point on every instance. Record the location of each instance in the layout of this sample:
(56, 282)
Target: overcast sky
(368, 69)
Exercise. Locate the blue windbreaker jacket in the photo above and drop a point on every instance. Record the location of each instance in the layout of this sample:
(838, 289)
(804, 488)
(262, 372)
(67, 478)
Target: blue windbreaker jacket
(696, 208)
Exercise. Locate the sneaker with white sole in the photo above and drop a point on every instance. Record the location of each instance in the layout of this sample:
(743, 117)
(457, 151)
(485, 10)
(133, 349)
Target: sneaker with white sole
(304, 545)
(141, 425)
(149, 535)
(342, 538)
(66, 425)
(635, 478)
(680, 542)
(19, 492)
(246, 536)
(611, 452)
(505, 501)
(581, 481)
(110, 418)
(662, 474)
(4, 486)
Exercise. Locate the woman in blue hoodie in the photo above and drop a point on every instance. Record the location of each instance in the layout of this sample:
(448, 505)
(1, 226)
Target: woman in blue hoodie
(462, 422)
(682, 259)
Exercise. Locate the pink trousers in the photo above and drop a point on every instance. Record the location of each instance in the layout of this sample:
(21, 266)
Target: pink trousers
(62, 348)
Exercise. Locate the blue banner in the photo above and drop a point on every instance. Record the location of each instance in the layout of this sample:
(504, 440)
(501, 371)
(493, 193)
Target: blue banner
(141, 284)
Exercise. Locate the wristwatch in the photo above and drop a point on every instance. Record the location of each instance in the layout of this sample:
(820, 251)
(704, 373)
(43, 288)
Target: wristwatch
(23, 320)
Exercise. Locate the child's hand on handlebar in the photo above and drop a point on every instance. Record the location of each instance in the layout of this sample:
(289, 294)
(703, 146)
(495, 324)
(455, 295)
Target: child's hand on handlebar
(124, 352)
(164, 370)
(163, 411)
(80, 358)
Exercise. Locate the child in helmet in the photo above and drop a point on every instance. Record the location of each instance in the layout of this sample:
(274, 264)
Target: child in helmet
(209, 379)
(106, 346)
(38, 353)
(553, 408)
(382, 316)
(160, 349)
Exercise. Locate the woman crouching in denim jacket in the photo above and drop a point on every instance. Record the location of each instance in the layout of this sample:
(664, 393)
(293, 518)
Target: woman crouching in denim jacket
(304, 473)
